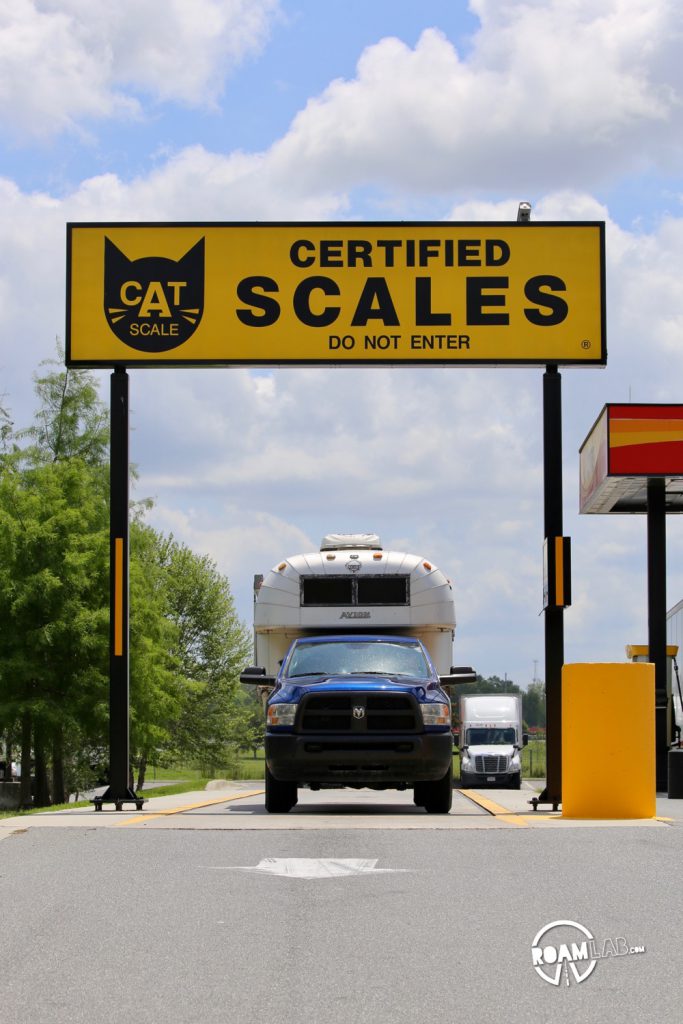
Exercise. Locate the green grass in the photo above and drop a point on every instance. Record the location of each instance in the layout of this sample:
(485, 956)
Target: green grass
(38, 810)
(191, 786)
(175, 772)
(251, 768)
(246, 767)
(533, 760)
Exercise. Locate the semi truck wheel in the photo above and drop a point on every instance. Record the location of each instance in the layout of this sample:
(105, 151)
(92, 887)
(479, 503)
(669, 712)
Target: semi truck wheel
(280, 796)
(438, 796)
(465, 780)
(516, 782)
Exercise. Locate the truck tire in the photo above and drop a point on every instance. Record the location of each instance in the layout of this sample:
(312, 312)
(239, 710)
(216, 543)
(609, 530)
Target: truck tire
(418, 794)
(516, 781)
(438, 796)
(465, 780)
(280, 796)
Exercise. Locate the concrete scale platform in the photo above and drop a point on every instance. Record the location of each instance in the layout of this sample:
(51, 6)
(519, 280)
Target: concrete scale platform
(240, 805)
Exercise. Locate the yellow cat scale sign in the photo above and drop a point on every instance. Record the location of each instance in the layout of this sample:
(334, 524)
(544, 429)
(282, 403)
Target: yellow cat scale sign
(370, 293)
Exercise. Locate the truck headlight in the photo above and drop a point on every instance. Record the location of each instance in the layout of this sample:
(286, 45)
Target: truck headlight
(282, 714)
(436, 714)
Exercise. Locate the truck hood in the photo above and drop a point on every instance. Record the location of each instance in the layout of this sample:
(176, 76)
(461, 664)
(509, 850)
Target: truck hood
(291, 691)
(492, 750)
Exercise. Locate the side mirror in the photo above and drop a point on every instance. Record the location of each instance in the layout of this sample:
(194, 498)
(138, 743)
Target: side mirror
(463, 674)
(256, 676)
(525, 739)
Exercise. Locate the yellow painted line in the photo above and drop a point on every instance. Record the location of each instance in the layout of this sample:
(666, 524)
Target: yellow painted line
(190, 807)
(483, 801)
(118, 596)
(495, 809)
(510, 819)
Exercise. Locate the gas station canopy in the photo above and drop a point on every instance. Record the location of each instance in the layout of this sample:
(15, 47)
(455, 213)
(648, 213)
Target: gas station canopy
(627, 445)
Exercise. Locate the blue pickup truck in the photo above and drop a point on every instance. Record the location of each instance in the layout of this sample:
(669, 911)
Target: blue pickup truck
(357, 711)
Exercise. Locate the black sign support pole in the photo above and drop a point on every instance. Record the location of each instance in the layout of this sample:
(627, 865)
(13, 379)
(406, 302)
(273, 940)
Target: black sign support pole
(119, 790)
(656, 604)
(554, 616)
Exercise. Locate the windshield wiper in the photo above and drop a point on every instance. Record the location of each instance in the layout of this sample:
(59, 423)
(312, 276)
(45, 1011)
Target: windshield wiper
(300, 675)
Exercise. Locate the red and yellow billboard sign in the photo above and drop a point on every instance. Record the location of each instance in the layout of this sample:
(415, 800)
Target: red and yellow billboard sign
(250, 294)
(646, 440)
(627, 445)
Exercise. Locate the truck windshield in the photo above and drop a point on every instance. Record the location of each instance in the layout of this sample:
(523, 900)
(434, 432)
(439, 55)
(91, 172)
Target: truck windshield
(353, 658)
(487, 737)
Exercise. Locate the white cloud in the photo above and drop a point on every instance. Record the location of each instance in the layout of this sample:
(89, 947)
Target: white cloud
(253, 466)
(66, 62)
(203, 185)
(250, 467)
(552, 94)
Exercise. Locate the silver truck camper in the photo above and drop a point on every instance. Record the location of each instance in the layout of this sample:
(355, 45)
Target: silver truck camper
(353, 585)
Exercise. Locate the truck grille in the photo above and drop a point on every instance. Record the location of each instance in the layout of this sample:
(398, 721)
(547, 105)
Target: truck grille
(491, 765)
(359, 713)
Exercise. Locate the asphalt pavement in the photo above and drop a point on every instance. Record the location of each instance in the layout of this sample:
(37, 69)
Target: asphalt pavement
(110, 918)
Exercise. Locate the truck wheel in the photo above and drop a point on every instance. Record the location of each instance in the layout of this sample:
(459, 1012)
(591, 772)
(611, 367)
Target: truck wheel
(516, 782)
(438, 796)
(280, 796)
(418, 794)
(465, 780)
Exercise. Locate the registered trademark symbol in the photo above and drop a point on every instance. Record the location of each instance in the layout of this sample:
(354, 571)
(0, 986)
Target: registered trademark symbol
(585, 344)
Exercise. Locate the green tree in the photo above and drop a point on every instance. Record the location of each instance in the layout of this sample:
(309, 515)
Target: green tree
(71, 422)
(212, 647)
(253, 730)
(534, 705)
(6, 427)
(158, 692)
(187, 645)
(53, 595)
(53, 572)
(187, 648)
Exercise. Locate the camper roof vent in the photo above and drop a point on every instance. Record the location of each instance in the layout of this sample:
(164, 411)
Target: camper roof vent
(340, 541)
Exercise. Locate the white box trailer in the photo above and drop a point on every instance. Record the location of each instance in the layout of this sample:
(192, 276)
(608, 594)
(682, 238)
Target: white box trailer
(353, 585)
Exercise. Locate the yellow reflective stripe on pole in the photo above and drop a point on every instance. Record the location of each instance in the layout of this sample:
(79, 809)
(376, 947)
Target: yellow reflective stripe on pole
(559, 572)
(118, 596)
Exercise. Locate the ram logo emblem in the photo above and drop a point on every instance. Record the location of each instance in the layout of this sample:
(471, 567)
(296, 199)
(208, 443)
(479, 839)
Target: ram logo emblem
(359, 711)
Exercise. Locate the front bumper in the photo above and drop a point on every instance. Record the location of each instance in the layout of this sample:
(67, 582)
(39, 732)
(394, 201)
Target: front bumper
(499, 779)
(383, 760)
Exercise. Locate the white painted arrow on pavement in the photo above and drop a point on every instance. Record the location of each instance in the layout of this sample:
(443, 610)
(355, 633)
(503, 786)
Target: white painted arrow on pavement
(315, 867)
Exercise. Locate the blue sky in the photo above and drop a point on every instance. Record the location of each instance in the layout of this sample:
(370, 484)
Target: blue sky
(307, 45)
(389, 109)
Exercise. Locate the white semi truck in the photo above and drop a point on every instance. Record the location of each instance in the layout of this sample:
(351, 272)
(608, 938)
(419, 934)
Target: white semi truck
(491, 740)
(352, 648)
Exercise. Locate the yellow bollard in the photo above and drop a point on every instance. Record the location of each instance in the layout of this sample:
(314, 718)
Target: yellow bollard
(608, 741)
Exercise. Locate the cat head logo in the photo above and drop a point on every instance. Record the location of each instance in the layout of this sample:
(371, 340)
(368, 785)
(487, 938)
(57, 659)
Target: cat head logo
(153, 304)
